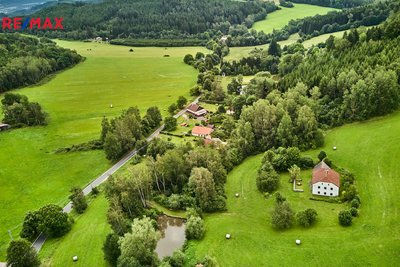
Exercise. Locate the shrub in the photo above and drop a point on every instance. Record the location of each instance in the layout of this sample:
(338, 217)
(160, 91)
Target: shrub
(355, 203)
(306, 218)
(78, 200)
(267, 181)
(345, 218)
(282, 216)
(354, 212)
(111, 249)
(195, 228)
(177, 259)
(321, 155)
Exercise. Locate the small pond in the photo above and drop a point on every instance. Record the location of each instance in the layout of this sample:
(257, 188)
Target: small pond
(172, 235)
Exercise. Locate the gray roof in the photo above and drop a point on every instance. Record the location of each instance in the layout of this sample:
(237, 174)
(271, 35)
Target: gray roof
(322, 165)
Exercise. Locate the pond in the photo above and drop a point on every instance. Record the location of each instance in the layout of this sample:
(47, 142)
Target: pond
(172, 235)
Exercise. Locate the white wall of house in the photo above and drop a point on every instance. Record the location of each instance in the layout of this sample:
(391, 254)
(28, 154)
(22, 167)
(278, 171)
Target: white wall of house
(325, 189)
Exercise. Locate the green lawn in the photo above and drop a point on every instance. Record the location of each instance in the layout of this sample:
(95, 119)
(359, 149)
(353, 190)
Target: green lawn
(31, 175)
(280, 18)
(371, 150)
(85, 240)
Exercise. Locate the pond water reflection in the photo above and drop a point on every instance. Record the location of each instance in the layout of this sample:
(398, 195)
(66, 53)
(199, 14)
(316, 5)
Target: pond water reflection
(172, 235)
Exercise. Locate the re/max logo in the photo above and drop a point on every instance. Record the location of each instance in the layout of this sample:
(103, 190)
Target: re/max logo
(32, 23)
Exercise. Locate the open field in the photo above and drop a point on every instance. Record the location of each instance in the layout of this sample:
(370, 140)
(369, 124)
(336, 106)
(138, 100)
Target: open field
(236, 53)
(278, 19)
(85, 240)
(31, 175)
(370, 150)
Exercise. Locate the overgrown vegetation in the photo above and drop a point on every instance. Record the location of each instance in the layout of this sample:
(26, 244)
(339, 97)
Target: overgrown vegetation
(27, 60)
(185, 22)
(49, 220)
(127, 131)
(19, 112)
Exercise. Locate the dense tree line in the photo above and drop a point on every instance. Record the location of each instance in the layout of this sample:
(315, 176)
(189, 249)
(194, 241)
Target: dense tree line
(341, 20)
(355, 78)
(335, 3)
(167, 19)
(18, 111)
(258, 60)
(308, 27)
(127, 131)
(26, 60)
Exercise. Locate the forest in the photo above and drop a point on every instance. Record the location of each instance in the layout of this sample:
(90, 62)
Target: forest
(154, 19)
(335, 3)
(26, 60)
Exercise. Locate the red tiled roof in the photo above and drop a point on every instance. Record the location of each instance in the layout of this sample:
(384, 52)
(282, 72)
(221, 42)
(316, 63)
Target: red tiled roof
(201, 130)
(325, 175)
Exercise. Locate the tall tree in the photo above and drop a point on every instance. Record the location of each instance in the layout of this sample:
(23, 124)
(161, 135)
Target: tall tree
(274, 48)
(20, 253)
(137, 247)
(202, 183)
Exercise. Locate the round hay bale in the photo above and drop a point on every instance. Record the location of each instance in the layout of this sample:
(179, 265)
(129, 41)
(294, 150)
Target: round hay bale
(75, 258)
(334, 148)
(298, 242)
(228, 236)
(237, 195)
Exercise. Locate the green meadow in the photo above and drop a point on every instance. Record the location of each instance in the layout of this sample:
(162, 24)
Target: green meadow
(85, 239)
(371, 151)
(31, 174)
(280, 18)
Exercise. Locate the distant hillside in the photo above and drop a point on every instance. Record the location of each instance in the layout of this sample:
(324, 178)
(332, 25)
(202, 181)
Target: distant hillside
(20, 7)
(155, 19)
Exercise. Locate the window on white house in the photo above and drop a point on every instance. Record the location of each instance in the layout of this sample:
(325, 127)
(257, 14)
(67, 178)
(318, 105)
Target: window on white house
(319, 192)
(319, 187)
(331, 194)
(331, 188)
(325, 188)
(324, 193)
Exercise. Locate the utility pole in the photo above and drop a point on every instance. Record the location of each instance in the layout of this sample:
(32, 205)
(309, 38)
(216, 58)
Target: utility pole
(10, 234)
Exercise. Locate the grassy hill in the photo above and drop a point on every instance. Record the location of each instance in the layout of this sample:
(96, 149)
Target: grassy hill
(370, 150)
(31, 175)
(280, 18)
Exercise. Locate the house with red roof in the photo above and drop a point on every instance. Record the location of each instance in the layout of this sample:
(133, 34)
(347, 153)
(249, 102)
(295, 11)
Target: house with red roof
(325, 181)
(202, 131)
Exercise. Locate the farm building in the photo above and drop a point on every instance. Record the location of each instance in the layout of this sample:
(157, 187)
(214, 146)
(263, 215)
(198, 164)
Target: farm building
(4, 126)
(196, 110)
(325, 181)
(202, 131)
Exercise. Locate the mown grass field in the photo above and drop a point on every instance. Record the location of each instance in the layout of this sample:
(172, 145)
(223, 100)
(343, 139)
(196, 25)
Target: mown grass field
(280, 18)
(370, 150)
(85, 239)
(31, 175)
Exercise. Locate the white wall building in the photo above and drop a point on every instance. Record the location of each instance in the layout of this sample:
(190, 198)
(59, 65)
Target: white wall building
(325, 181)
